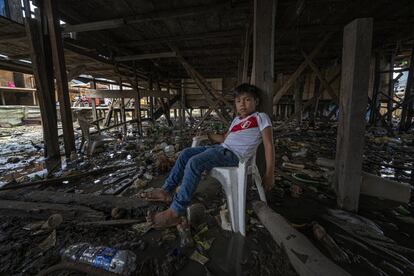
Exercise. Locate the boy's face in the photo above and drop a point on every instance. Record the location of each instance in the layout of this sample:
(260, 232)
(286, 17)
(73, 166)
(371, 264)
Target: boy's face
(245, 104)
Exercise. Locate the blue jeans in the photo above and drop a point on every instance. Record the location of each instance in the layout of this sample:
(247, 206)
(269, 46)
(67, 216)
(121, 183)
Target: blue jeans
(188, 168)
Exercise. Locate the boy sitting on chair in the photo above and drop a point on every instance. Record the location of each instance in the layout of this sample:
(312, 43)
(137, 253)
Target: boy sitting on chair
(246, 132)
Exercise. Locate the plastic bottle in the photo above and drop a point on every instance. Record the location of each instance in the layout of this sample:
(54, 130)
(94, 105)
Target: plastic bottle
(117, 261)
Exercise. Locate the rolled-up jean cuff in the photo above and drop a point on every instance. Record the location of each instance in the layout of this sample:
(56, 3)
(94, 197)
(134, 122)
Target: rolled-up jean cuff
(177, 208)
(169, 189)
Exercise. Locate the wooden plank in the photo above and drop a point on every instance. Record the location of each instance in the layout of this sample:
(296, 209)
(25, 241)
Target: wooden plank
(95, 26)
(146, 56)
(357, 44)
(60, 74)
(44, 92)
(17, 89)
(103, 93)
(288, 84)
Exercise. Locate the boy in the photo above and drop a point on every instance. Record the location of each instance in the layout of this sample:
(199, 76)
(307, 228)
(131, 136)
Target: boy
(246, 132)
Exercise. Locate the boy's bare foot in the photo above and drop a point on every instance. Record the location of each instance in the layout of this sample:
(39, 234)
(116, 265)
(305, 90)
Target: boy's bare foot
(165, 219)
(157, 194)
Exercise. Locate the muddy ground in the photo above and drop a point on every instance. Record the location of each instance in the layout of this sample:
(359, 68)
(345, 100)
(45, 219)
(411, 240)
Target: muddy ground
(302, 195)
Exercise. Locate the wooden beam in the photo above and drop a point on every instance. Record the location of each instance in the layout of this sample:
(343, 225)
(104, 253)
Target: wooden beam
(196, 36)
(357, 41)
(321, 77)
(76, 71)
(60, 74)
(282, 91)
(151, 16)
(94, 26)
(16, 67)
(101, 93)
(146, 56)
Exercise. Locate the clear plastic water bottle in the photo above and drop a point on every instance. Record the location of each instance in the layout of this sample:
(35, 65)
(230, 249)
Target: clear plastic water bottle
(117, 261)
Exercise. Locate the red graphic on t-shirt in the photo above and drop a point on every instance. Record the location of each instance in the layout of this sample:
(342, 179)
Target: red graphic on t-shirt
(250, 122)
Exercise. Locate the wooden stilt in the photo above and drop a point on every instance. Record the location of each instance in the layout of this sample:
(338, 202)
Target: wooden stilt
(60, 74)
(390, 102)
(407, 109)
(44, 90)
(298, 101)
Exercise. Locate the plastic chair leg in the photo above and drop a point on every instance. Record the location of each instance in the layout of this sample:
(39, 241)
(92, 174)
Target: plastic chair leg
(258, 182)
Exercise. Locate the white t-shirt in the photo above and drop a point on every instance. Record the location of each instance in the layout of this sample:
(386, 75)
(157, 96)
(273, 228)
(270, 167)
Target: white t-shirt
(245, 134)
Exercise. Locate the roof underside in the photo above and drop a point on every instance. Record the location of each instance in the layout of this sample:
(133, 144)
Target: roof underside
(210, 34)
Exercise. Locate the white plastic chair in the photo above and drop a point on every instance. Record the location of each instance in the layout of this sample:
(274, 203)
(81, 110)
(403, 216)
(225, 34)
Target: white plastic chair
(234, 182)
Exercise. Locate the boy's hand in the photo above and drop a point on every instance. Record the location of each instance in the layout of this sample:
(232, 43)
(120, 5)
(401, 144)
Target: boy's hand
(268, 181)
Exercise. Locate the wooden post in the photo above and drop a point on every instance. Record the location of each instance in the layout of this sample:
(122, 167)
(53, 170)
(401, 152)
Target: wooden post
(122, 111)
(3, 100)
(60, 73)
(408, 101)
(263, 51)
(94, 111)
(137, 104)
(45, 91)
(356, 54)
(263, 59)
(246, 53)
(298, 101)
(182, 105)
(390, 89)
(375, 101)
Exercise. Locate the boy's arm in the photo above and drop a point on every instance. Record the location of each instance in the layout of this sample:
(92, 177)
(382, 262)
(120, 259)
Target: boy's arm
(269, 149)
(216, 138)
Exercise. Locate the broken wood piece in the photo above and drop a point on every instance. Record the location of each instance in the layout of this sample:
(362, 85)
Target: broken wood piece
(101, 202)
(376, 186)
(65, 178)
(305, 258)
(114, 222)
(44, 210)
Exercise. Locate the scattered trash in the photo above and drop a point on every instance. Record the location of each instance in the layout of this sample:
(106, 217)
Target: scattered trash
(142, 228)
(185, 234)
(225, 220)
(49, 242)
(117, 261)
(199, 258)
(196, 214)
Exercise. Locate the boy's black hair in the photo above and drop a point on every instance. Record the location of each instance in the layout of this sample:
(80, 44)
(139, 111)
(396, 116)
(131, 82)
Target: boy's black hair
(246, 88)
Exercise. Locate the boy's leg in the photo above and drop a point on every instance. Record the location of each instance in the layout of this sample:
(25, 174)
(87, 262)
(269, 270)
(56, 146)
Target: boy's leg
(177, 172)
(205, 161)
(164, 194)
